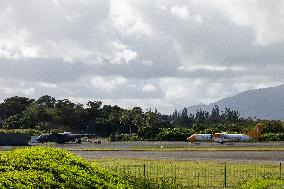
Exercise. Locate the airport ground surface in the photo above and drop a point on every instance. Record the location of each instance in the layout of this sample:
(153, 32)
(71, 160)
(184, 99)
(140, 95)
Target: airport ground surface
(268, 152)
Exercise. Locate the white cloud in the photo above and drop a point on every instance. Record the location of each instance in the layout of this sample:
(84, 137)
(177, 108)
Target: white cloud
(16, 45)
(127, 19)
(149, 88)
(180, 11)
(165, 53)
(48, 85)
(123, 55)
(108, 83)
(28, 92)
(10, 87)
(22, 91)
(217, 68)
(198, 19)
(174, 88)
(264, 17)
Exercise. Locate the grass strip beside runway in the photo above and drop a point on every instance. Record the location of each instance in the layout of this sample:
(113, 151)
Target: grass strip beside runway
(196, 174)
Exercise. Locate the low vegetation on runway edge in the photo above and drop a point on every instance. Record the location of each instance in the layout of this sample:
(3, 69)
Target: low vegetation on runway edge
(201, 174)
(46, 167)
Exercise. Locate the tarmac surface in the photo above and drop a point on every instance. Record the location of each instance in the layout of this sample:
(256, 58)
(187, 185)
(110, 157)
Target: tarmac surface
(271, 156)
(124, 150)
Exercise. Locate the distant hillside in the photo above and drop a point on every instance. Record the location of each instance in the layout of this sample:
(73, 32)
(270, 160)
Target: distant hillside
(267, 103)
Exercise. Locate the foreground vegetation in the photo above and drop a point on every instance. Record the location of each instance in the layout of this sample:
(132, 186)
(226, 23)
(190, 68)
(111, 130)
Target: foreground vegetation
(46, 167)
(201, 174)
(47, 114)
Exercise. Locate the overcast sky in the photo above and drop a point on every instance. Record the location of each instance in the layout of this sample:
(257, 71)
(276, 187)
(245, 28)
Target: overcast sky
(160, 53)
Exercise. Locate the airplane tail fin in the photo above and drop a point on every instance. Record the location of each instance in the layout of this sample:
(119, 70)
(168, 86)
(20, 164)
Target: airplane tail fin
(256, 132)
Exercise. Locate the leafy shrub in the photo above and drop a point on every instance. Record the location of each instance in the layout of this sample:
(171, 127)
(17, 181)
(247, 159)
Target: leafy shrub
(269, 137)
(273, 126)
(46, 167)
(175, 134)
(29, 132)
(123, 137)
(272, 137)
(262, 184)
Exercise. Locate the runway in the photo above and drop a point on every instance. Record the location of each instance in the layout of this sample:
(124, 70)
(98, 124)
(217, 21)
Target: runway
(272, 156)
(125, 150)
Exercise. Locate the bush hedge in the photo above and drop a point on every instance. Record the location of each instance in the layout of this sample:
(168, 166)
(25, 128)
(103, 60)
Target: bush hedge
(46, 167)
(175, 134)
(29, 132)
(272, 137)
(123, 137)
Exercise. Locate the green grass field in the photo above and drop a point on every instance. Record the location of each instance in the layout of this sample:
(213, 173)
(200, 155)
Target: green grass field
(195, 174)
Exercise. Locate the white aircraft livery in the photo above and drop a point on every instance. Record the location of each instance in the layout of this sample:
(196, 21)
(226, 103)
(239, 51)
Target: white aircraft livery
(225, 137)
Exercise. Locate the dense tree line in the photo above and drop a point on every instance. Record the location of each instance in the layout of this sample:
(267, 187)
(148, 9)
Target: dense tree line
(48, 113)
(216, 121)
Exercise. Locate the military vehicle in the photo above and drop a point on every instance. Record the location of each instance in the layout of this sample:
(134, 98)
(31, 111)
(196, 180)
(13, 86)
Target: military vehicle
(62, 138)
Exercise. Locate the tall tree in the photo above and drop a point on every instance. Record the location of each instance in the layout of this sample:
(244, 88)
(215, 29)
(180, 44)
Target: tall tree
(47, 101)
(15, 105)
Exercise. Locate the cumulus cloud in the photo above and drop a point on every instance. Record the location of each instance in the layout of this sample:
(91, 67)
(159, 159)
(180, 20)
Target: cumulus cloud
(10, 87)
(123, 55)
(165, 54)
(127, 19)
(149, 88)
(263, 17)
(48, 85)
(181, 12)
(108, 84)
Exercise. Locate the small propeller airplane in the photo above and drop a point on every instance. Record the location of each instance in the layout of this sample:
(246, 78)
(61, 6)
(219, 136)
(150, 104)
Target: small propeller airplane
(62, 138)
(225, 137)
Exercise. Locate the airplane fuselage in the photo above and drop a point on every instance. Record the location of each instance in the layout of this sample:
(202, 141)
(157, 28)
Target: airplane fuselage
(218, 137)
(223, 137)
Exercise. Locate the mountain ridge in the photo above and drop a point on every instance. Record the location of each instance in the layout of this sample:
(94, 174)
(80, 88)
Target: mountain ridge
(263, 103)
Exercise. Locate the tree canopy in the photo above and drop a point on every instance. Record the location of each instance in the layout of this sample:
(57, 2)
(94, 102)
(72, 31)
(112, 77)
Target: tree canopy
(48, 113)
